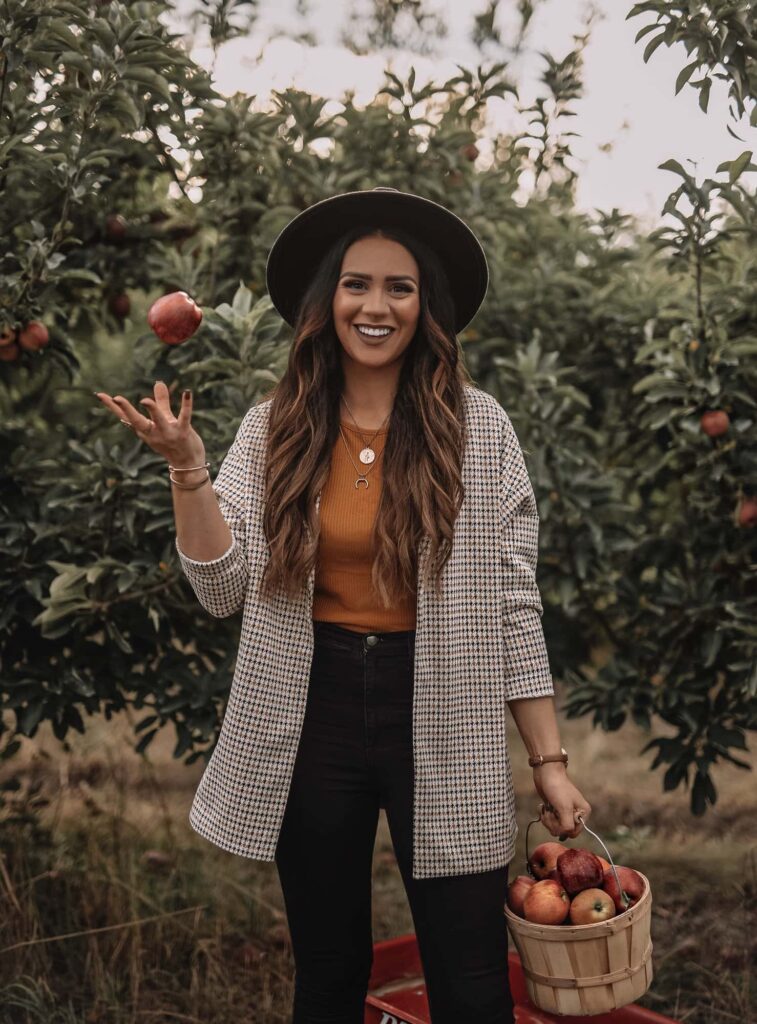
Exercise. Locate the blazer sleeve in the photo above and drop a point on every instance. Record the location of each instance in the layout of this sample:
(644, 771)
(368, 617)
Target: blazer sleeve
(221, 583)
(527, 671)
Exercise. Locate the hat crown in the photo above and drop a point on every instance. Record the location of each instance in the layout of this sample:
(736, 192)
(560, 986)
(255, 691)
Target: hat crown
(299, 246)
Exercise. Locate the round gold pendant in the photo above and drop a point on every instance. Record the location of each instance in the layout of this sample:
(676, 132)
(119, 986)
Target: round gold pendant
(367, 455)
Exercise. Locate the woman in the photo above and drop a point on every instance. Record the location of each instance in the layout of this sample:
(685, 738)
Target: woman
(375, 520)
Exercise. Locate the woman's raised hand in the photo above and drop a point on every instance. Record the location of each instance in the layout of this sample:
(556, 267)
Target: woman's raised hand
(171, 436)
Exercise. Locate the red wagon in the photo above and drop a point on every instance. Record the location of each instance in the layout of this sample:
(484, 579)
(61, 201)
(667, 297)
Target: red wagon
(397, 992)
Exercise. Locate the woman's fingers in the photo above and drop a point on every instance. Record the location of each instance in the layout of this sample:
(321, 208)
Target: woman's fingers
(162, 401)
(135, 418)
(185, 409)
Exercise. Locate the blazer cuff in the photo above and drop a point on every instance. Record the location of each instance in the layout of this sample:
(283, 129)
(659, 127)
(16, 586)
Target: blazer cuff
(215, 566)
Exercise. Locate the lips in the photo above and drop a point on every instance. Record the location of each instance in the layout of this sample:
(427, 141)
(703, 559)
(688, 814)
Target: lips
(373, 337)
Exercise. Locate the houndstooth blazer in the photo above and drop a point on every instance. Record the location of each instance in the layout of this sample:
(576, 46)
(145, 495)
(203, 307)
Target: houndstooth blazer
(477, 646)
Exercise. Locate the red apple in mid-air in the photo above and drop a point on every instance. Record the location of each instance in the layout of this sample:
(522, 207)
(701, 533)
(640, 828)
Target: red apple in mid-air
(34, 336)
(715, 422)
(631, 883)
(579, 869)
(516, 893)
(546, 902)
(544, 859)
(591, 905)
(174, 317)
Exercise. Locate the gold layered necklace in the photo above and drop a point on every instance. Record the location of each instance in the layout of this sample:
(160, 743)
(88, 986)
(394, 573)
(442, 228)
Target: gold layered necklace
(367, 455)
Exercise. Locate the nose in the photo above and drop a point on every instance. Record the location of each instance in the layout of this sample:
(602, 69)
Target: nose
(375, 304)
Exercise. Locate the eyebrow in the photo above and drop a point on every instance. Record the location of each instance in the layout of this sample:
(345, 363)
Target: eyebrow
(369, 277)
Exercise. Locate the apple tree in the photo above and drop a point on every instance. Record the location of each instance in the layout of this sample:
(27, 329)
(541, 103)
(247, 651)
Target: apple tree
(131, 176)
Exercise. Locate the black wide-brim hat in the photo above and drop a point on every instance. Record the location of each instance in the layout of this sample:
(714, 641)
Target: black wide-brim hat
(298, 249)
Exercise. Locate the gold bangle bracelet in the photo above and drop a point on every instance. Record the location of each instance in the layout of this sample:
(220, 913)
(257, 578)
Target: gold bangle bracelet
(189, 487)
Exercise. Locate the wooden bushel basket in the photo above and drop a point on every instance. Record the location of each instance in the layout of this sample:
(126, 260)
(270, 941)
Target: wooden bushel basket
(589, 968)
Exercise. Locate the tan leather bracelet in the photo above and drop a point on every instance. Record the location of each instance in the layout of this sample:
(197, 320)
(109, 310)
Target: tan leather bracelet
(535, 760)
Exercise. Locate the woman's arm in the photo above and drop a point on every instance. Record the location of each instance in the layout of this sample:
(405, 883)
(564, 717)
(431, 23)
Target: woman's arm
(536, 720)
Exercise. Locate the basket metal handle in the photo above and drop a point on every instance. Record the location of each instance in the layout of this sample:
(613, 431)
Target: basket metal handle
(579, 817)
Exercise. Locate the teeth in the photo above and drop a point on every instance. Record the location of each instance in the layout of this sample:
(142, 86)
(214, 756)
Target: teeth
(374, 332)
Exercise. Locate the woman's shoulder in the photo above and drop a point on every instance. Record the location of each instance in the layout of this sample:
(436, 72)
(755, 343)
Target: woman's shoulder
(481, 407)
(484, 409)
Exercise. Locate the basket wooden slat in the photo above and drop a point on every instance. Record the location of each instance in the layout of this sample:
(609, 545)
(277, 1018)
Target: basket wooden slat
(590, 968)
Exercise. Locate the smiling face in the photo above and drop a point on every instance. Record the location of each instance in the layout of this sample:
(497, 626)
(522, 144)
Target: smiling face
(378, 286)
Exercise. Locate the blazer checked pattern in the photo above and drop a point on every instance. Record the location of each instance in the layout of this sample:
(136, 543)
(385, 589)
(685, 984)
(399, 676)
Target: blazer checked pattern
(477, 646)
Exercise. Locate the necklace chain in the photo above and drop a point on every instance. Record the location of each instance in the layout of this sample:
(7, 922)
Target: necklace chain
(367, 455)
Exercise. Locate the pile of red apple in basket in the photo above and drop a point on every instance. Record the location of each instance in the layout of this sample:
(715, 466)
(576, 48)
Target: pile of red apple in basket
(572, 885)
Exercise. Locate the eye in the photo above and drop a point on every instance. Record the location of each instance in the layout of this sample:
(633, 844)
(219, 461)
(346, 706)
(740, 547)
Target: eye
(402, 287)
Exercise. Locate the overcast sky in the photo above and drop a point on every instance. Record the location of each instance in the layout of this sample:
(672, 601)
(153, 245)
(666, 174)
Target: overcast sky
(629, 119)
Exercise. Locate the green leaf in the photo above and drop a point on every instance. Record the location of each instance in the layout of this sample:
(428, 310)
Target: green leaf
(650, 48)
(685, 74)
(673, 165)
(71, 58)
(146, 740)
(738, 165)
(115, 634)
(29, 717)
(144, 76)
(80, 274)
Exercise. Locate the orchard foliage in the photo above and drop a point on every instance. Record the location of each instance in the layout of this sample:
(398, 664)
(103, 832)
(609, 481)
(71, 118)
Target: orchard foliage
(131, 176)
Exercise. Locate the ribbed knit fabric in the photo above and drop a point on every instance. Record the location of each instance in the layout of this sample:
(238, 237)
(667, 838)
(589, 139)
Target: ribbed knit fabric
(343, 591)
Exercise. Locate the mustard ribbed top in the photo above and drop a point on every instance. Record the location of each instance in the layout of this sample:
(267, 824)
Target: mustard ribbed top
(343, 592)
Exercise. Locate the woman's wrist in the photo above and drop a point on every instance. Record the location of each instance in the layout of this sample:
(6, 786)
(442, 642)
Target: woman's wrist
(550, 768)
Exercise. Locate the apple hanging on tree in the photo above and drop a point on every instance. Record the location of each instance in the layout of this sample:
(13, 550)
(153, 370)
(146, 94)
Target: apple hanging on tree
(747, 511)
(34, 336)
(715, 422)
(174, 317)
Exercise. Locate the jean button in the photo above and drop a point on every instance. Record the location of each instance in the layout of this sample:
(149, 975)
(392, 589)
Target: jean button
(371, 639)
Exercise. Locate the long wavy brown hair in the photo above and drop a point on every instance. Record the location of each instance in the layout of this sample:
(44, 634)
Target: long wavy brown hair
(422, 488)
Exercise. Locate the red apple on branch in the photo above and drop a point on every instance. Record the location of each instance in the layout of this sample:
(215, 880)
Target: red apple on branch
(579, 869)
(7, 335)
(715, 422)
(546, 902)
(119, 305)
(544, 859)
(115, 227)
(34, 336)
(174, 317)
(9, 352)
(516, 893)
(632, 886)
(591, 905)
(747, 512)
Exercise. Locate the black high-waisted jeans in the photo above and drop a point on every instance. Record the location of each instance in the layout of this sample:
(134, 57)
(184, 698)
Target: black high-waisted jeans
(356, 756)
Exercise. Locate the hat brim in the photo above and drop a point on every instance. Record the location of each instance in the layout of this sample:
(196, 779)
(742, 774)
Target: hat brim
(297, 250)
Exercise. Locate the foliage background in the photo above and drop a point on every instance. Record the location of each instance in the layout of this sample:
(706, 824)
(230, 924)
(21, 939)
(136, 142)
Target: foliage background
(605, 344)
